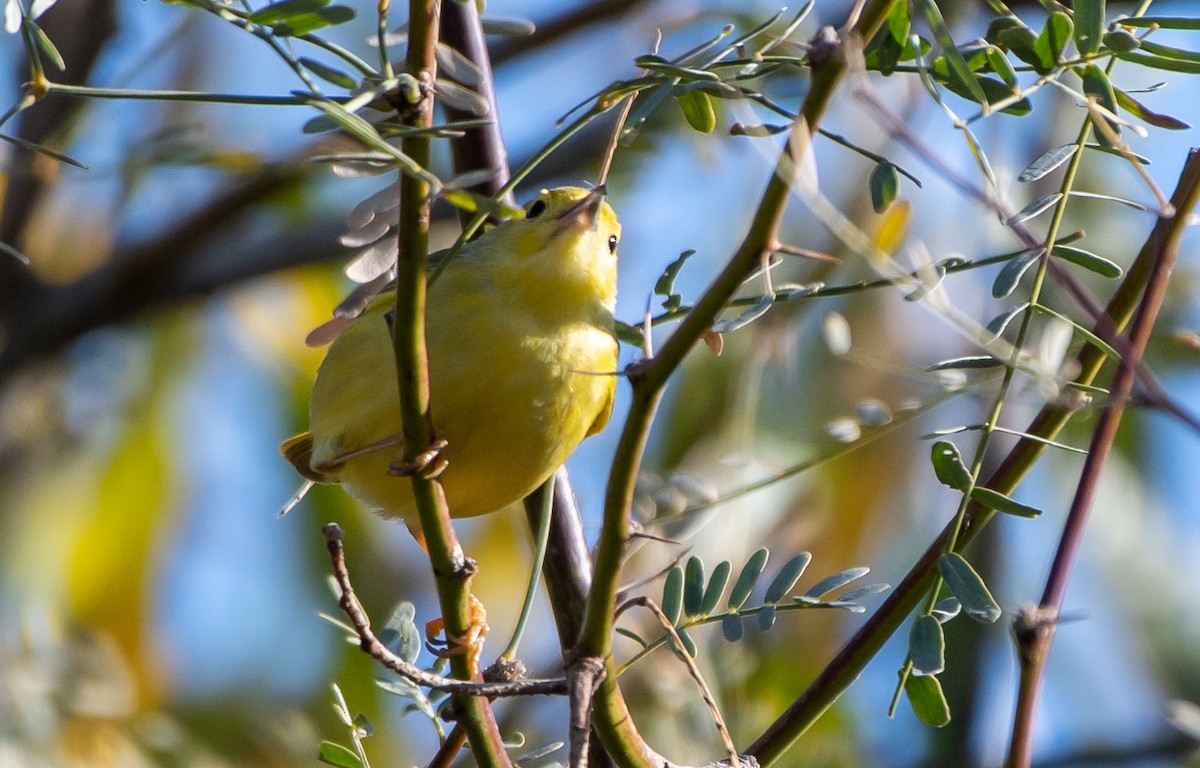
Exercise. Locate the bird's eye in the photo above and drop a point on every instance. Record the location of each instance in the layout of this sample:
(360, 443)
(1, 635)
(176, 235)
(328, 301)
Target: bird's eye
(536, 209)
(612, 243)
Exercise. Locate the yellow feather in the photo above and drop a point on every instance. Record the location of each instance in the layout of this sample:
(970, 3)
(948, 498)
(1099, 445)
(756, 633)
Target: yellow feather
(522, 357)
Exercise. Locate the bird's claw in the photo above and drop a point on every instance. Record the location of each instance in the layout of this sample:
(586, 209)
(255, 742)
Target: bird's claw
(428, 464)
(469, 643)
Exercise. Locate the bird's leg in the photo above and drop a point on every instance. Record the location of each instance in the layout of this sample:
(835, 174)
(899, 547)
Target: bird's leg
(429, 463)
(470, 643)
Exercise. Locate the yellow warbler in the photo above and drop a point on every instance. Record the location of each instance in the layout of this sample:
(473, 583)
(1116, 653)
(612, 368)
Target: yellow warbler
(522, 354)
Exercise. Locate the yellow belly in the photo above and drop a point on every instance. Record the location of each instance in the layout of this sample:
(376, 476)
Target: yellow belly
(512, 403)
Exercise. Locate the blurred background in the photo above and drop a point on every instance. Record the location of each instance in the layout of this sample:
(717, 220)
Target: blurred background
(154, 610)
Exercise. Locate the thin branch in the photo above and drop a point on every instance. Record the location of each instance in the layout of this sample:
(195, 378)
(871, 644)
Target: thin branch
(1035, 637)
(866, 642)
(610, 717)
(451, 569)
(370, 643)
(706, 693)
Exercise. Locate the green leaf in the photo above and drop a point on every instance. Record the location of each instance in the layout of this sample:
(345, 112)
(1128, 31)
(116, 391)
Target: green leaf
(1165, 22)
(1034, 209)
(787, 577)
(400, 633)
(693, 586)
(927, 700)
(1047, 162)
(969, 588)
(698, 109)
(836, 581)
(1050, 43)
(946, 609)
(665, 285)
(1021, 40)
(1097, 85)
(672, 600)
(43, 150)
(948, 465)
(1001, 503)
(44, 42)
(1141, 111)
(509, 27)
(996, 327)
(970, 362)
(634, 636)
(927, 647)
(999, 64)
(286, 9)
(327, 73)
(1158, 62)
(747, 578)
(731, 627)
(716, 587)
(884, 183)
(752, 313)
(311, 22)
(1089, 25)
(1121, 41)
(337, 755)
(957, 65)
(766, 618)
(1089, 261)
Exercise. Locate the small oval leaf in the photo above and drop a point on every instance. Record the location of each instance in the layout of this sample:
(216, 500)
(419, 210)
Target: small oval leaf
(787, 577)
(927, 700)
(1089, 261)
(949, 466)
(969, 588)
(698, 109)
(731, 627)
(716, 587)
(1039, 206)
(1001, 503)
(884, 184)
(693, 585)
(747, 579)
(672, 600)
(1049, 160)
(927, 647)
(836, 581)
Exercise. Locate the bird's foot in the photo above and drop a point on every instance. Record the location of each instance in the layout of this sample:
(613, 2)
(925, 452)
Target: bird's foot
(427, 464)
(469, 643)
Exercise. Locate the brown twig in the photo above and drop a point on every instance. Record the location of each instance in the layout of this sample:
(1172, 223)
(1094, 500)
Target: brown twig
(361, 623)
(710, 701)
(1035, 636)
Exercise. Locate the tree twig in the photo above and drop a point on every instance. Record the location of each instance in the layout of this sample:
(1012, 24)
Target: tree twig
(372, 646)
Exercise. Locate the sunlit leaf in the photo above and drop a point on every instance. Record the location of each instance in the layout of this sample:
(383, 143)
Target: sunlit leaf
(787, 577)
(959, 71)
(1033, 209)
(948, 465)
(337, 755)
(716, 587)
(747, 578)
(1089, 25)
(834, 582)
(1000, 322)
(1089, 261)
(927, 646)
(1053, 38)
(672, 600)
(884, 184)
(1141, 111)
(1096, 84)
(927, 700)
(1047, 162)
(698, 109)
(693, 586)
(1158, 62)
(968, 587)
(1001, 503)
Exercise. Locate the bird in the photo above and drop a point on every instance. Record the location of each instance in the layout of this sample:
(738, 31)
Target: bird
(522, 365)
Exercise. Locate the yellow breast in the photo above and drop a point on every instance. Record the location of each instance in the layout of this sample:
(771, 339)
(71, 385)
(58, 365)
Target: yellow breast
(522, 363)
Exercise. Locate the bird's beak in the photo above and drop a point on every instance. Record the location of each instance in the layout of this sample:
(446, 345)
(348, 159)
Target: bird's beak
(585, 212)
